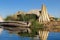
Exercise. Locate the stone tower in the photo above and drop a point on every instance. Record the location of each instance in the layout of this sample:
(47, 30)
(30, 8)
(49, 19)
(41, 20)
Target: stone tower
(43, 18)
(44, 15)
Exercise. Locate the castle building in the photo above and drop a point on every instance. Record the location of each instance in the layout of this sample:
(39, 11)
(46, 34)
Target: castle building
(42, 14)
(44, 17)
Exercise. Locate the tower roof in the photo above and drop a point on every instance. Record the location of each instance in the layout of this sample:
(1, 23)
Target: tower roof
(43, 7)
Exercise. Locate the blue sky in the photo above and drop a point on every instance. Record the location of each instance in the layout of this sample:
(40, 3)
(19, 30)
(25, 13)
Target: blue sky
(8, 7)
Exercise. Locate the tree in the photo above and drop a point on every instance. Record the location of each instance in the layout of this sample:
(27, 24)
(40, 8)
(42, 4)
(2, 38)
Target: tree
(8, 18)
(11, 18)
(27, 17)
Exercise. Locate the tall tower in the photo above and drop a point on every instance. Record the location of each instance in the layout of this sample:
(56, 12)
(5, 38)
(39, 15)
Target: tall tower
(44, 15)
(43, 18)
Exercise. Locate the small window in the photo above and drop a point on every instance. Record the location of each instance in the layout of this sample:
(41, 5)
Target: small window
(39, 11)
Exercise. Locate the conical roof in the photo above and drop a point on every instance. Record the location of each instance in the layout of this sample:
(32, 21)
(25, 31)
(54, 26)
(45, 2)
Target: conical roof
(44, 15)
(43, 8)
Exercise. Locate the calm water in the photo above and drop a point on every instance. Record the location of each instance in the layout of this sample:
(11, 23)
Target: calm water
(6, 36)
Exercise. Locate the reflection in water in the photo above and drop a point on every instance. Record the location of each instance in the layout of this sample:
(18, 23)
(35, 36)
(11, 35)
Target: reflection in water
(1, 29)
(6, 36)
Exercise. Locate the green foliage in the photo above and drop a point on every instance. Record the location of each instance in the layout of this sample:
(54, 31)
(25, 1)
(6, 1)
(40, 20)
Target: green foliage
(22, 17)
(8, 18)
(35, 27)
(26, 34)
(56, 19)
(27, 17)
(31, 16)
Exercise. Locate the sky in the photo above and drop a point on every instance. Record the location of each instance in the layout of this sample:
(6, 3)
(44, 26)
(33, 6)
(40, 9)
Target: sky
(8, 7)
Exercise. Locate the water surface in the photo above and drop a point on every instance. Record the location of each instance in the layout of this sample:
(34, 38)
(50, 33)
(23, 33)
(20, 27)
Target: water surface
(6, 36)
